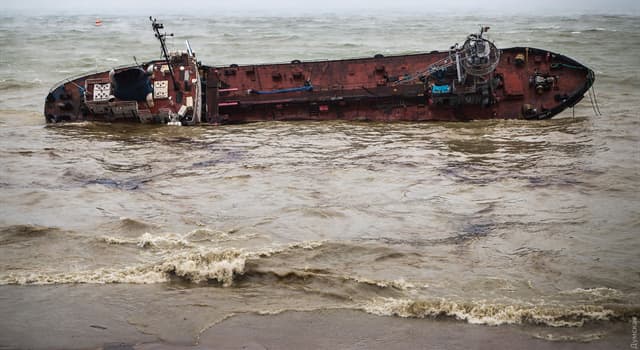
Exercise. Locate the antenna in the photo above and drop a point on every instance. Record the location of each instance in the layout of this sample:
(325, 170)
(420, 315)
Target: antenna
(189, 50)
(156, 28)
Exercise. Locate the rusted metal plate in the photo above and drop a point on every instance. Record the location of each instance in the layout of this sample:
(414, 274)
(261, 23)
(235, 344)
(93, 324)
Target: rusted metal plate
(362, 89)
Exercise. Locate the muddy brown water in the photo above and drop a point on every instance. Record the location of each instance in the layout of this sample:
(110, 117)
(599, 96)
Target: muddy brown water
(160, 232)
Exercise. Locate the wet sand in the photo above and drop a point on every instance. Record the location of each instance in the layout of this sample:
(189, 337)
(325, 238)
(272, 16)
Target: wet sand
(105, 317)
(344, 329)
(348, 329)
(111, 317)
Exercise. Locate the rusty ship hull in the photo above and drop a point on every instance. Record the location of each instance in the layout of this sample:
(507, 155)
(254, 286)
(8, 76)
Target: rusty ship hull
(92, 97)
(473, 81)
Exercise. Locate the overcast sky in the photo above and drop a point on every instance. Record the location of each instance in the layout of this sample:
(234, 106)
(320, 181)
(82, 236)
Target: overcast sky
(274, 7)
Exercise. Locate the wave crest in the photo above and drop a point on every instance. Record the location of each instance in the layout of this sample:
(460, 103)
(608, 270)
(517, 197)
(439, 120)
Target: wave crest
(196, 267)
(200, 267)
(171, 240)
(491, 314)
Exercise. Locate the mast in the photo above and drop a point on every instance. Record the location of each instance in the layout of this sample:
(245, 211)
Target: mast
(156, 28)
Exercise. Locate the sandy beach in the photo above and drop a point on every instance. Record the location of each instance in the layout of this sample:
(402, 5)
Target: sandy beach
(345, 329)
(332, 329)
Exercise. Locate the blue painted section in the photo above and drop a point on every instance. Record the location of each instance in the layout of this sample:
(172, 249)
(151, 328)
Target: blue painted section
(281, 91)
(440, 89)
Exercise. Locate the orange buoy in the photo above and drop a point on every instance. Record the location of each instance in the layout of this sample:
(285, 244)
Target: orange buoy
(98, 22)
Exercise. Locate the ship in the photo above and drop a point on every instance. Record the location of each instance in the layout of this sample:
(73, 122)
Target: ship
(472, 81)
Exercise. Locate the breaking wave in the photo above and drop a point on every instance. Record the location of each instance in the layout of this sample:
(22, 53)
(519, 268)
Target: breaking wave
(198, 265)
(171, 240)
(194, 266)
(148, 240)
(496, 314)
(180, 261)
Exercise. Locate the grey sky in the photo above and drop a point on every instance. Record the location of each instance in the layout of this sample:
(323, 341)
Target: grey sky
(465, 7)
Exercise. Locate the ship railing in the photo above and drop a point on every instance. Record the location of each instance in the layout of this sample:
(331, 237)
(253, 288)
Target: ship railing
(80, 75)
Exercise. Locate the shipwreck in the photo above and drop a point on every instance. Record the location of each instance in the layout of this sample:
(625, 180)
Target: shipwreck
(475, 80)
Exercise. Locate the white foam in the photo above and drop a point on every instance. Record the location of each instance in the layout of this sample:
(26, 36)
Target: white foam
(148, 240)
(599, 292)
(170, 239)
(194, 264)
(114, 240)
(306, 245)
(400, 284)
(135, 275)
(202, 266)
(488, 313)
(198, 266)
(205, 234)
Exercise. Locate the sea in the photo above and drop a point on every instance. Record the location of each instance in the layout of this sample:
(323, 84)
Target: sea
(172, 230)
